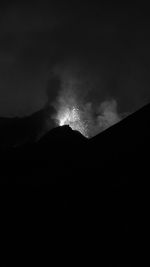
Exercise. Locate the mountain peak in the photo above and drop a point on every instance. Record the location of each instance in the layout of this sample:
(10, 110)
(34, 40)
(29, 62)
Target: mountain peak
(62, 133)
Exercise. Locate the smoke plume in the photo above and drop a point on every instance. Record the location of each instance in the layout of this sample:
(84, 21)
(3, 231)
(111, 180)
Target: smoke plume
(84, 116)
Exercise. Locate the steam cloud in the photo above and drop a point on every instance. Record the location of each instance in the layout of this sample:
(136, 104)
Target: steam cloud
(85, 117)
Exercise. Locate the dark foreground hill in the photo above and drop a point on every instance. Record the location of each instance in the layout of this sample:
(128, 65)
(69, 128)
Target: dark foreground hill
(91, 181)
(20, 130)
(111, 158)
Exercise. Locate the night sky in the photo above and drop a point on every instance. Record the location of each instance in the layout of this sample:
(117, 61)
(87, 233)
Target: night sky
(103, 50)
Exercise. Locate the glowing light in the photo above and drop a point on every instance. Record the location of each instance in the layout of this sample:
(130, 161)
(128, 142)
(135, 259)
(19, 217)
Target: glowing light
(85, 117)
(72, 117)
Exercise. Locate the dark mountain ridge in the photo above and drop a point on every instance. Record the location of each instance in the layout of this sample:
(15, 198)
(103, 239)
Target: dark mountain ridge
(116, 149)
(96, 178)
(22, 130)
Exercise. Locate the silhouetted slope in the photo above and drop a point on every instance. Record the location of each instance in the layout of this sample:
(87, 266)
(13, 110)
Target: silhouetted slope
(17, 131)
(133, 127)
(49, 160)
(62, 136)
(96, 177)
(113, 157)
(121, 152)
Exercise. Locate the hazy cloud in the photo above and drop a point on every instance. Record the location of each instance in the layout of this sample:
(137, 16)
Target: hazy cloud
(105, 49)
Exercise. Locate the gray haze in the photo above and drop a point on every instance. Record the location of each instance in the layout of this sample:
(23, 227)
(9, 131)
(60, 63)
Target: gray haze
(103, 50)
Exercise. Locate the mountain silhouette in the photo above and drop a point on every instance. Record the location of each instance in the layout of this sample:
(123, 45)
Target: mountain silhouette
(96, 178)
(21, 130)
(107, 157)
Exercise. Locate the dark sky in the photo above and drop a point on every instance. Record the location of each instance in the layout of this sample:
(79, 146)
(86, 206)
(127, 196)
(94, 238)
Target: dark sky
(106, 48)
